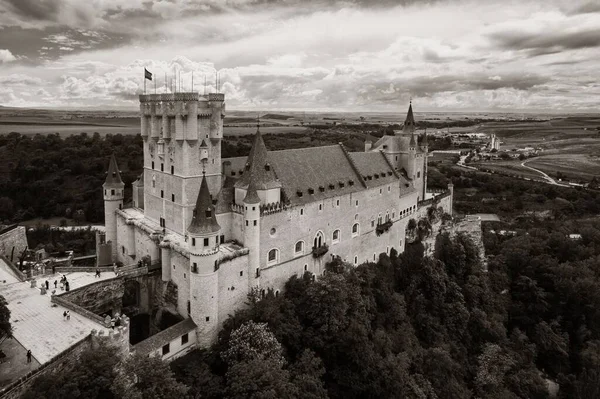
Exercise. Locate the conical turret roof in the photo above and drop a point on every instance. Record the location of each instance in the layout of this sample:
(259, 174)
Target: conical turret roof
(258, 168)
(409, 123)
(251, 195)
(113, 177)
(204, 220)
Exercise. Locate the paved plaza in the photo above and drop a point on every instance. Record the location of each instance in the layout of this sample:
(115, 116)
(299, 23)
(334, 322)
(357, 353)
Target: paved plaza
(37, 323)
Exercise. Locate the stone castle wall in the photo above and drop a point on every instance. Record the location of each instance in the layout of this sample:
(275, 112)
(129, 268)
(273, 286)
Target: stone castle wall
(13, 237)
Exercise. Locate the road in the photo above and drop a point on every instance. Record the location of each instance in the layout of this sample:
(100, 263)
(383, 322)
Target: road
(544, 175)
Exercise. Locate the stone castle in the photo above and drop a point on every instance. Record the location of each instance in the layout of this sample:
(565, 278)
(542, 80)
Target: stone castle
(220, 228)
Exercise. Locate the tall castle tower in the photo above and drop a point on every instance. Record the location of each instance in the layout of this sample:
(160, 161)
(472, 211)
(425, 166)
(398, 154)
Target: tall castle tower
(174, 127)
(203, 245)
(113, 200)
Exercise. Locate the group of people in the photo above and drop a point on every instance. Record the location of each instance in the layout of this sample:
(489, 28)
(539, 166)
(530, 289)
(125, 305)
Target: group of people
(64, 284)
(67, 315)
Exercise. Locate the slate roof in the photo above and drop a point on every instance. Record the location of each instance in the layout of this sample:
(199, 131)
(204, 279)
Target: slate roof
(157, 341)
(324, 172)
(409, 122)
(395, 144)
(113, 177)
(204, 220)
(258, 168)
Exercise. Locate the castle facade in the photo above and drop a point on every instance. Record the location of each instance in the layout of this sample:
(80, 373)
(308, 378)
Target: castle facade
(221, 227)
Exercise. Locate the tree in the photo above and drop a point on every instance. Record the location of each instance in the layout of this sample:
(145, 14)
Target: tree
(5, 327)
(141, 377)
(90, 377)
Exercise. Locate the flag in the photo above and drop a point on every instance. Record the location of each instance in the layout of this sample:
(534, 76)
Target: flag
(148, 75)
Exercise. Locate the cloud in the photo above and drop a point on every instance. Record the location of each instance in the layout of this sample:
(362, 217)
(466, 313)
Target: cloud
(20, 80)
(6, 56)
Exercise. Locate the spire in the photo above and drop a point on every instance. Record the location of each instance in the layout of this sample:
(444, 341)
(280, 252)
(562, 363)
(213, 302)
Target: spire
(113, 176)
(413, 142)
(251, 195)
(409, 123)
(258, 168)
(204, 220)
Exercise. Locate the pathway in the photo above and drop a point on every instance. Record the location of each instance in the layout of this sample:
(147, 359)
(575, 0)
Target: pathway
(544, 175)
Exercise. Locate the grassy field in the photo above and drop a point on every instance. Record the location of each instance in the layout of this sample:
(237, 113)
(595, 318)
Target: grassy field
(509, 168)
(573, 166)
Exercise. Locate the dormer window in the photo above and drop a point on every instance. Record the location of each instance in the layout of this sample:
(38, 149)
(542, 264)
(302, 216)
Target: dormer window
(248, 166)
(377, 175)
(233, 173)
(299, 193)
(390, 173)
(351, 182)
(311, 191)
(341, 184)
(331, 186)
(267, 167)
(322, 189)
(208, 213)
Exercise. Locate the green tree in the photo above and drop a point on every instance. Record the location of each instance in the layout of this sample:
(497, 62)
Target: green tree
(5, 327)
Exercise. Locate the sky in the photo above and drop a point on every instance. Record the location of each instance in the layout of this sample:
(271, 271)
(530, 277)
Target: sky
(322, 55)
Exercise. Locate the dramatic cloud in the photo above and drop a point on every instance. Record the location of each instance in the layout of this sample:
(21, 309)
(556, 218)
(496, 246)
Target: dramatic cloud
(296, 54)
(6, 56)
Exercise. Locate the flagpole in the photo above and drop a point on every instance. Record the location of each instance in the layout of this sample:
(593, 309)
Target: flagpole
(144, 80)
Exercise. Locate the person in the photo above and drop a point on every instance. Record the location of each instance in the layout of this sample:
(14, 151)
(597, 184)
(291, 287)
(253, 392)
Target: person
(55, 284)
(64, 314)
(29, 356)
(47, 285)
(97, 273)
(67, 286)
(68, 315)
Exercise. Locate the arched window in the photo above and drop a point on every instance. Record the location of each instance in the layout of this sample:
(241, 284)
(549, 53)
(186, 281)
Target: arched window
(336, 236)
(393, 214)
(355, 229)
(379, 221)
(355, 260)
(318, 241)
(299, 248)
(273, 256)
(387, 216)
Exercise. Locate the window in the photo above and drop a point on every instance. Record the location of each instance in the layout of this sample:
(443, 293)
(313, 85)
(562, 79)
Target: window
(379, 220)
(172, 169)
(206, 242)
(301, 211)
(380, 191)
(356, 202)
(189, 307)
(184, 339)
(123, 248)
(166, 349)
(387, 216)
(299, 248)
(356, 260)
(273, 256)
(257, 272)
(320, 207)
(172, 197)
(246, 223)
(273, 231)
(389, 188)
(336, 236)
(207, 213)
(305, 267)
(418, 174)
(207, 318)
(112, 192)
(152, 164)
(241, 273)
(184, 276)
(374, 256)
(162, 194)
(318, 241)
(154, 182)
(255, 222)
(372, 223)
(194, 267)
(393, 214)
(222, 238)
(162, 167)
(355, 229)
(193, 242)
(276, 293)
(337, 203)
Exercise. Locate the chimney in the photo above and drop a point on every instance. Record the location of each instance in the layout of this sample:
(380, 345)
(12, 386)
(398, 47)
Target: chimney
(368, 145)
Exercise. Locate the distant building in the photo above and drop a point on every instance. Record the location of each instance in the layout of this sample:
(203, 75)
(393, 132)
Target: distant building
(494, 142)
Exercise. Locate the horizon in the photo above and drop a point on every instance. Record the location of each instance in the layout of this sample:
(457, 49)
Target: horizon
(287, 55)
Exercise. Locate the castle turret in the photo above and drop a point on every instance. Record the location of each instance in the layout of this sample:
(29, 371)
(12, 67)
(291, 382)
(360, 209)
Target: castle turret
(252, 233)
(425, 147)
(409, 127)
(203, 244)
(409, 123)
(113, 200)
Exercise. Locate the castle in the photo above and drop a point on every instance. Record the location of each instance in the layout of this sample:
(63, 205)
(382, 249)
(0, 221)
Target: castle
(221, 227)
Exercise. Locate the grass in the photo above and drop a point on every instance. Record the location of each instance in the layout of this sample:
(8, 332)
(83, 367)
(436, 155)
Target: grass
(573, 166)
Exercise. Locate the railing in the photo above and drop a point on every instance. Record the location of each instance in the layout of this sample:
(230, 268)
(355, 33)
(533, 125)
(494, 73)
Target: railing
(382, 228)
(317, 252)
(275, 207)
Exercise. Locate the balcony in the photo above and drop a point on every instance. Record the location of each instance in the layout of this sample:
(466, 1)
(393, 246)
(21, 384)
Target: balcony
(317, 252)
(382, 228)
